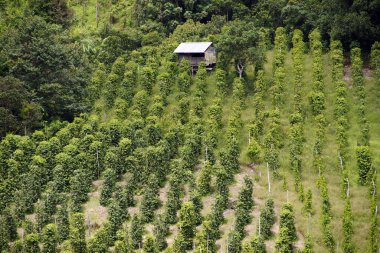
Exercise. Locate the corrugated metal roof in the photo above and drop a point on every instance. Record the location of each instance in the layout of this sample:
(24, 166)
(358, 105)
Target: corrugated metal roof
(192, 47)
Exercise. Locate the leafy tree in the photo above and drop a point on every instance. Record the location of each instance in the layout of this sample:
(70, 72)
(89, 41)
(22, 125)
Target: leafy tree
(77, 233)
(204, 180)
(221, 82)
(49, 239)
(375, 56)
(308, 202)
(184, 81)
(247, 248)
(258, 244)
(136, 232)
(43, 216)
(161, 230)
(140, 102)
(364, 162)
(150, 201)
(122, 247)
(173, 203)
(317, 102)
(284, 241)
(40, 54)
(187, 223)
(287, 221)
(277, 90)
(204, 238)
(108, 186)
(62, 223)
(4, 235)
(124, 198)
(164, 83)
(254, 151)
(16, 107)
(244, 206)
(267, 219)
(179, 244)
(196, 200)
(79, 189)
(52, 11)
(238, 42)
(308, 245)
(279, 48)
(101, 241)
(150, 245)
(229, 158)
(10, 225)
(115, 218)
(234, 242)
(147, 79)
(347, 228)
(238, 92)
(31, 243)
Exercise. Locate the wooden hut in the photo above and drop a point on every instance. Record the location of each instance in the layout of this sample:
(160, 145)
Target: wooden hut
(196, 52)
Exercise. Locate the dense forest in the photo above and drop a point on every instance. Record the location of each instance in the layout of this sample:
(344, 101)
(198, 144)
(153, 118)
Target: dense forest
(109, 144)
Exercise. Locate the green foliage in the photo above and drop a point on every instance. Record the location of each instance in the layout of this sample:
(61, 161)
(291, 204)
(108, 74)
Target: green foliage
(79, 188)
(204, 179)
(284, 241)
(347, 228)
(165, 84)
(150, 201)
(184, 81)
(77, 233)
(238, 43)
(308, 245)
(287, 228)
(267, 220)
(136, 232)
(62, 223)
(147, 79)
(375, 58)
(204, 240)
(238, 92)
(161, 230)
(258, 244)
(254, 151)
(221, 82)
(4, 235)
(317, 102)
(234, 242)
(122, 247)
(187, 223)
(179, 245)
(49, 239)
(115, 218)
(150, 245)
(277, 90)
(244, 206)
(364, 163)
(247, 248)
(100, 241)
(229, 158)
(308, 207)
(108, 186)
(279, 48)
(49, 63)
(31, 244)
(140, 102)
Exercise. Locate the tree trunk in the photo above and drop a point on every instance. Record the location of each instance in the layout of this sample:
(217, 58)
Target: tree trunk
(97, 14)
(240, 68)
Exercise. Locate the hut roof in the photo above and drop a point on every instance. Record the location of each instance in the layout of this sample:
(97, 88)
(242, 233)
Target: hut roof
(192, 47)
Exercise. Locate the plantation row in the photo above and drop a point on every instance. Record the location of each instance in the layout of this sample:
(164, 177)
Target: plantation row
(149, 142)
